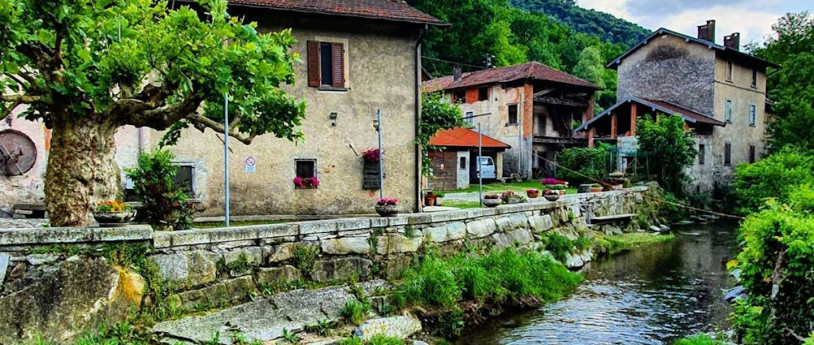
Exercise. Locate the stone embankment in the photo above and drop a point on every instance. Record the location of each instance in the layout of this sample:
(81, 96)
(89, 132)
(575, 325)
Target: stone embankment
(52, 286)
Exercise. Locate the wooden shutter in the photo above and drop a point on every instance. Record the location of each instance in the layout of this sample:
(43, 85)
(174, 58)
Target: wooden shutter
(338, 67)
(313, 64)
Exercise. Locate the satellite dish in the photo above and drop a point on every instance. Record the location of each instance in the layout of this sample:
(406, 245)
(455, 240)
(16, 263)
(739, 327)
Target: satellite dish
(17, 153)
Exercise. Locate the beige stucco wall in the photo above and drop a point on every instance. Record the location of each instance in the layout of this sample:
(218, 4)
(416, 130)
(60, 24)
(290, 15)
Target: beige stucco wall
(380, 76)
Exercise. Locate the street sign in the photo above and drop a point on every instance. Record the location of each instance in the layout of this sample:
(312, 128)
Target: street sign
(250, 164)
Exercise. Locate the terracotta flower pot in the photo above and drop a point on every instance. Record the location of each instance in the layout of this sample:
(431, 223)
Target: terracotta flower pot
(596, 189)
(533, 194)
(387, 210)
(114, 219)
(561, 192)
(429, 200)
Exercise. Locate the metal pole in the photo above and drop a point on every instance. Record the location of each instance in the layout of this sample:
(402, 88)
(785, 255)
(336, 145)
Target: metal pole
(480, 171)
(226, 152)
(381, 153)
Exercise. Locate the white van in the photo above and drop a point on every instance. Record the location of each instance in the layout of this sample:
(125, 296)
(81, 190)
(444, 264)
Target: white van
(487, 166)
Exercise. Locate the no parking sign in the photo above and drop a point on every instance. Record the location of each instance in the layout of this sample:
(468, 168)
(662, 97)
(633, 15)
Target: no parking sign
(250, 164)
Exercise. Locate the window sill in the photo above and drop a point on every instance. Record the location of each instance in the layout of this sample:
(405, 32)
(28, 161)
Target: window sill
(332, 89)
(511, 125)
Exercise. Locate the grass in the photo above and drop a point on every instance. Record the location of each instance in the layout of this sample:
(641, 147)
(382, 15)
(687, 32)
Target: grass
(618, 243)
(461, 204)
(701, 339)
(499, 187)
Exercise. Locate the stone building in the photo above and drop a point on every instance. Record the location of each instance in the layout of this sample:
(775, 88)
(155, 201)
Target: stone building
(359, 56)
(531, 107)
(718, 90)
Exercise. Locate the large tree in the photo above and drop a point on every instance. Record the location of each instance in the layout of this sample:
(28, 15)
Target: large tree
(87, 67)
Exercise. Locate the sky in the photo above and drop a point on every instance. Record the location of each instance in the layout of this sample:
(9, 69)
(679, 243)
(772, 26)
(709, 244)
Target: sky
(752, 18)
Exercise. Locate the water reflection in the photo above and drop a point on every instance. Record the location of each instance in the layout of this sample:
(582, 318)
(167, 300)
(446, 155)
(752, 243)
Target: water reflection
(650, 295)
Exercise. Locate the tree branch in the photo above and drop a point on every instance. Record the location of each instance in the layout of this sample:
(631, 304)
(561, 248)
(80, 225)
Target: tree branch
(142, 114)
(201, 122)
(28, 99)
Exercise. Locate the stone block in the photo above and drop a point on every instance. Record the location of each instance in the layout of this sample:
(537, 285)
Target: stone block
(254, 255)
(399, 327)
(222, 294)
(397, 243)
(379, 222)
(190, 237)
(341, 269)
(241, 233)
(187, 269)
(481, 228)
(419, 218)
(318, 226)
(277, 253)
(40, 259)
(162, 239)
(277, 275)
(398, 220)
(447, 232)
(504, 224)
(277, 230)
(124, 233)
(512, 238)
(541, 223)
(346, 245)
(352, 224)
(5, 259)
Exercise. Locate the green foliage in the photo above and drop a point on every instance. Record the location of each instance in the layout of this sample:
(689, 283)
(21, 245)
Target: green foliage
(591, 67)
(776, 262)
(323, 327)
(670, 148)
(437, 114)
(559, 246)
(790, 87)
(669, 208)
(700, 339)
(354, 311)
(583, 242)
(380, 339)
(119, 333)
(585, 161)
(304, 257)
(351, 340)
(165, 206)
(775, 176)
(290, 337)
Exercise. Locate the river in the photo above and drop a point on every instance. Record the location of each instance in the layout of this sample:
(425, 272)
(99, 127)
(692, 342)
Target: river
(648, 295)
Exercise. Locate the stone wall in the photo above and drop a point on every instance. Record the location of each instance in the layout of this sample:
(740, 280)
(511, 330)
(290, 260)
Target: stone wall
(221, 267)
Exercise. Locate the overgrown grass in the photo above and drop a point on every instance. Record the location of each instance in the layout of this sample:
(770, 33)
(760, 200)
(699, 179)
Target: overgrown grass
(618, 243)
(499, 277)
(461, 204)
(559, 246)
(701, 339)
(354, 311)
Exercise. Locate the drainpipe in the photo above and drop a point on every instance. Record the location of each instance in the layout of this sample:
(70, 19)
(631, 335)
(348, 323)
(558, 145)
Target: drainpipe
(417, 52)
(520, 112)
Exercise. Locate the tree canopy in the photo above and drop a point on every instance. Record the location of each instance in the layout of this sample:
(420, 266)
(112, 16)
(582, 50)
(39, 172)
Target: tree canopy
(670, 147)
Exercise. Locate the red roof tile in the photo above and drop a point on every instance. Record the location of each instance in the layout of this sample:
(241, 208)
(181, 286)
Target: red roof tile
(393, 10)
(686, 112)
(530, 70)
(462, 137)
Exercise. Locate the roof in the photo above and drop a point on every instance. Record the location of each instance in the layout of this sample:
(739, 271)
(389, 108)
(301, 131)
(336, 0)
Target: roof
(657, 105)
(463, 137)
(391, 10)
(712, 45)
(530, 70)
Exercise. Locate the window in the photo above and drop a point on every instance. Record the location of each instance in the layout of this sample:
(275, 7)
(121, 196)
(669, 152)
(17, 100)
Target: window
(727, 154)
(326, 65)
(729, 70)
(728, 111)
(752, 115)
(754, 78)
(702, 154)
(483, 94)
(306, 167)
(459, 96)
(751, 154)
(462, 165)
(512, 115)
(469, 117)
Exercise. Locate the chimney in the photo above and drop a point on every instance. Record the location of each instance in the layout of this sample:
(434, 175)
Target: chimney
(456, 74)
(733, 41)
(707, 31)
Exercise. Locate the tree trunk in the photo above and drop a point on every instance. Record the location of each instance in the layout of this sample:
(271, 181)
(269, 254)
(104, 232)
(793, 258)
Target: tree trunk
(81, 170)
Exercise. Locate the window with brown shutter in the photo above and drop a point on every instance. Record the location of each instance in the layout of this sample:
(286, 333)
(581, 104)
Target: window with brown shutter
(326, 65)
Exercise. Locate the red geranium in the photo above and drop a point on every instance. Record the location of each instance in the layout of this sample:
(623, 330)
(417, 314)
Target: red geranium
(372, 155)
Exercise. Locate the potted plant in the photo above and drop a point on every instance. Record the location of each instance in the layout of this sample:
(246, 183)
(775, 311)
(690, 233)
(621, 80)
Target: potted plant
(491, 200)
(429, 198)
(551, 195)
(372, 155)
(439, 197)
(511, 197)
(596, 188)
(113, 213)
(559, 188)
(532, 193)
(387, 207)
(306, 183)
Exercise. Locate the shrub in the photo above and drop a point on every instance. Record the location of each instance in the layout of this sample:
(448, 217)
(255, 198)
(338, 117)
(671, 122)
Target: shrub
(584, 161)
(701, 339)
(774, 177)
(775, 261)
(380, 339)
(670, 148)
(559, 246)
(354, 311)
(164, 205)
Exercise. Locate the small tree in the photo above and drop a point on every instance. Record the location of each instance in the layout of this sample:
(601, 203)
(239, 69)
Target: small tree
(436, 114)
(582, 164)
(88, 67)
(164, 205)
(671, 148)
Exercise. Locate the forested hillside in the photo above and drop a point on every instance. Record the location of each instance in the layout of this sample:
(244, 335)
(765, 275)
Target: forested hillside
(606, 26)
(512, 36)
